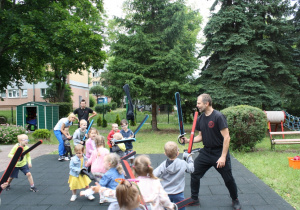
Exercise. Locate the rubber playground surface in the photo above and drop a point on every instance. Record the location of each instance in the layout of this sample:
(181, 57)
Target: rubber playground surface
(51, 178)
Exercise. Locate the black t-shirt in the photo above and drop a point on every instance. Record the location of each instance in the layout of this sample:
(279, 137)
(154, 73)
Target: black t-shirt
(83, 113)
(210, 127)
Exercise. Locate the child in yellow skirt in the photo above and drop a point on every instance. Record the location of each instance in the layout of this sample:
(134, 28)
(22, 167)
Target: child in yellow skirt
(76, 180)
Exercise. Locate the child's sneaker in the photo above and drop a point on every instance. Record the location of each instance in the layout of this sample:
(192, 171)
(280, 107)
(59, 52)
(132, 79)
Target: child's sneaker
(60, 158)
(91, 197)
(67, 158)
(8, 188)
(73, 198)
(34, 189)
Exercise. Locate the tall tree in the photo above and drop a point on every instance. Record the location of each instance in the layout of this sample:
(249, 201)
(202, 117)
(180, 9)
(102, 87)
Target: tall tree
(250, 61)
(155, 52)
(64, 34)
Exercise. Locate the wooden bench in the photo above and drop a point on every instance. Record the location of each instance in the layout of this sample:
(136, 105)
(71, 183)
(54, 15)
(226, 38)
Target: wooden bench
(284, 141)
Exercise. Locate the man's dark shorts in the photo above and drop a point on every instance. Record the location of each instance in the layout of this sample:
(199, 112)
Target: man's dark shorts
(24, 169)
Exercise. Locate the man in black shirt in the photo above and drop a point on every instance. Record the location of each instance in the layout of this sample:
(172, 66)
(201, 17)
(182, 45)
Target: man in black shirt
(83, 113)
(214, 133)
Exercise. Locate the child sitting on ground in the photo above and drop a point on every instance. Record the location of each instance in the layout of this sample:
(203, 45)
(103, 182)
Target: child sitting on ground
(172, 172)
(114, 129)
(149, 185)
(67, 144)
(80, 133)
(118, 148)
(114, 171)
(76, 179)
(22, 165)
(97, 158)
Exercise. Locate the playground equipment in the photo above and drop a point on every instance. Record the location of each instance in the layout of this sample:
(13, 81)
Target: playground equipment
(275, 117)
(279, 117)
(292, 122)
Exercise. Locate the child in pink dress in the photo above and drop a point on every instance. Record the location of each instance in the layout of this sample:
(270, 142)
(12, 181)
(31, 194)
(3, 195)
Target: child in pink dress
(90, 145)
(96, 161)
(150, 186)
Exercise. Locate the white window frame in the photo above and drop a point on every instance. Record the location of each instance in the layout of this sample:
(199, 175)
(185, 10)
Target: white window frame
(24, 93)
(43, 90)
(13, 93)
(95, 83)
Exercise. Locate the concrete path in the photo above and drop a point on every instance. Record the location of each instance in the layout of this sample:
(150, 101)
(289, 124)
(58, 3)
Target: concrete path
(51, 177)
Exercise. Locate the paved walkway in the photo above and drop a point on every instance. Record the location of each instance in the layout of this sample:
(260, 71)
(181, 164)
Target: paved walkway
(51, 177)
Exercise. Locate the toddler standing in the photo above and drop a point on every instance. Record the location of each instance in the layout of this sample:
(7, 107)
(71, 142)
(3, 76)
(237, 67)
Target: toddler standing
(67, 145)
(172, 172)
(97, 158)
(90, 143)
(80, 133)
(77, 180)
(114, 129)
(127, 133)
(22, 165)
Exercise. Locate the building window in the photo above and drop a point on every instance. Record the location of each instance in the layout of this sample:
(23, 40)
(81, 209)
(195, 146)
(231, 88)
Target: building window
(3, 94)
(43, 92)
(96, 74)
(24, 93)
(96, 83)
(13, 94)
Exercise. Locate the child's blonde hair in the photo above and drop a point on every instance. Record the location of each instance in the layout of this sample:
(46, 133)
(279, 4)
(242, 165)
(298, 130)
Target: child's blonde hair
(82, 121)
(127, 195)
(100, 141)
(142, 166)
(93, 129)
(117, 136)
(171, 149)
(79, 148)
(114, 124)
(21, 136)
(114, 161)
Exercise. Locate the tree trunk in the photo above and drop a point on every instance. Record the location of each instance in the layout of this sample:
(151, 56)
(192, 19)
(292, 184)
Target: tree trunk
(154, 119)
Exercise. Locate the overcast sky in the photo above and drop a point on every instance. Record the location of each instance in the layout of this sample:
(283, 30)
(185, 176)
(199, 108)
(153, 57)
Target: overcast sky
(114, 8)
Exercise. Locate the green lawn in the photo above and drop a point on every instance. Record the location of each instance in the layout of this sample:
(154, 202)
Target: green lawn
(270, 166)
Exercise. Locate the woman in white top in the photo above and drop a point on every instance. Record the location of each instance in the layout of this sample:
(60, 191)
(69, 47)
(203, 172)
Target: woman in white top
(59, 130)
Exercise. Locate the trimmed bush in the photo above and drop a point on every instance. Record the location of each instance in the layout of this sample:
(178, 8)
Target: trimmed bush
(104, 123)
(65, 109)
(247, 126)
(99, 121)
(9, 133)
(113, 105)
(99, 108)
(41, 134)
(118, 120)
(92, 100)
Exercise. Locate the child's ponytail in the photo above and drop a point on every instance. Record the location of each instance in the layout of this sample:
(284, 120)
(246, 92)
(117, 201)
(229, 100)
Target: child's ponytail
(114, 161)
(142, 167)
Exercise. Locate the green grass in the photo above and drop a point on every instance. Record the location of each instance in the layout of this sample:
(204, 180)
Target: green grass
(7, 114)
(270, 166)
